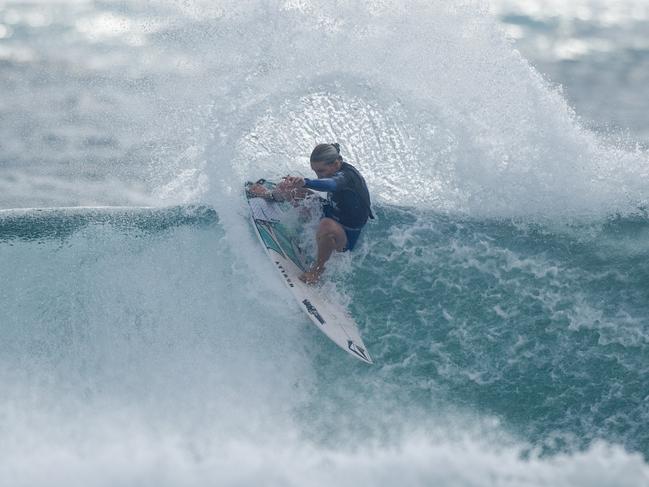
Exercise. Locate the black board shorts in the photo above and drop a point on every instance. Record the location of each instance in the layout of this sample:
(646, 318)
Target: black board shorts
(352, 237)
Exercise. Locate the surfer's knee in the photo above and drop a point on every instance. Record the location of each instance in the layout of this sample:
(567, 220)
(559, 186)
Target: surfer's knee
(332, 230)
(330, 227)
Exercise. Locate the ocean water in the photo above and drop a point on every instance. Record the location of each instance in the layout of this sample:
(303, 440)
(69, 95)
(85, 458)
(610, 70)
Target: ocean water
(502, 290)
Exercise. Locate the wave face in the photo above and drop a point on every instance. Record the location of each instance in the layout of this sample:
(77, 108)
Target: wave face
(131, 345)
(501, 290)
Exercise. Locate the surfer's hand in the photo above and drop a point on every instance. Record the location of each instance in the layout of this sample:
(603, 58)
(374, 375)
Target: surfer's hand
(290, 183)
(297, 182)
(258, 190)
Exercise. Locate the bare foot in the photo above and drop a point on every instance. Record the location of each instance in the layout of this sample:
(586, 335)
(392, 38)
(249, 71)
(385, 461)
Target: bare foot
(311, 277)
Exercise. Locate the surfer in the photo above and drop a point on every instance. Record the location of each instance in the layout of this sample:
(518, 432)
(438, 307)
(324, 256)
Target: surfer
(345, 211)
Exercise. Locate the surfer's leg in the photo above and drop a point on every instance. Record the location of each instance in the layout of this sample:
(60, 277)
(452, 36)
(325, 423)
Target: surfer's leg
(330, 236)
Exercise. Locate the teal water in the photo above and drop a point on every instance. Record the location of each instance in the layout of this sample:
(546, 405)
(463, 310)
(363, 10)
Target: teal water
(502, 290)
(507, 345)
(544, 328)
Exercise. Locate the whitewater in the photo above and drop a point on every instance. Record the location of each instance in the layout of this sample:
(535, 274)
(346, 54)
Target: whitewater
(146, 340)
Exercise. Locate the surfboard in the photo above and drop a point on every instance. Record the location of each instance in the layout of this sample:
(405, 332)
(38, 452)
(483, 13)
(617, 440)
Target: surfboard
(273, 223)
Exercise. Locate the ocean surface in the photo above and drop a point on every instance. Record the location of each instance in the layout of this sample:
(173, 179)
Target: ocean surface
(503, 290)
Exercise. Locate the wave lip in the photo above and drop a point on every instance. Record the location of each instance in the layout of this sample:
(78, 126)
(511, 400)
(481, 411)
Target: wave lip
(61, 222)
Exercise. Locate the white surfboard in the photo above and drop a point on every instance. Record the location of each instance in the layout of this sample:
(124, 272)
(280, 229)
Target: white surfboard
(280, 243)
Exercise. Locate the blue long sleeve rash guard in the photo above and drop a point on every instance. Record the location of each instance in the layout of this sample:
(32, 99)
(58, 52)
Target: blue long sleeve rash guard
(347, 196)
(325, 184)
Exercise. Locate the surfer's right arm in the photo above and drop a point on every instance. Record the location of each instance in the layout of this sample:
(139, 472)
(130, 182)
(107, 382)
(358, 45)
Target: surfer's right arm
(292, 189)
(338, 181)
(284, 191)
(329, 185)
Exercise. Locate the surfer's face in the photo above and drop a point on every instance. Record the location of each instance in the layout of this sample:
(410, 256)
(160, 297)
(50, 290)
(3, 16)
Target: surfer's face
(324, 170)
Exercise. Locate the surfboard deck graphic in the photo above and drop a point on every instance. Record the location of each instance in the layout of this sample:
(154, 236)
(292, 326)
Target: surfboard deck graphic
(280, 242)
